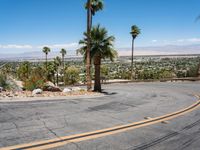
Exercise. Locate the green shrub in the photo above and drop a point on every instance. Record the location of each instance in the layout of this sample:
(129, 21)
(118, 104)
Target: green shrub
(36, 79)
(71, 75)
(24, 71)
(166, 74)
(3, 81)
(33, 83)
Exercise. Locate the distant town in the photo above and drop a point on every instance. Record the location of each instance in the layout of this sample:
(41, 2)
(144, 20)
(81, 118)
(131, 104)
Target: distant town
(145, 67)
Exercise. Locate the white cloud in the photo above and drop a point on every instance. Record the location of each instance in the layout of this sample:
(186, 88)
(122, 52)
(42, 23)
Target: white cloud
(180, 40)
(154, 41)
(68, 46)
(58, 46)
(191, 40)
(15, 46)
(194, 40)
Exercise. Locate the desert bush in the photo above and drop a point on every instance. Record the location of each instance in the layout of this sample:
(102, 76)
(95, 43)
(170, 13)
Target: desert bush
(24, 71)
(36, 79)
(71, 75)
(33, 83)
(3, 81)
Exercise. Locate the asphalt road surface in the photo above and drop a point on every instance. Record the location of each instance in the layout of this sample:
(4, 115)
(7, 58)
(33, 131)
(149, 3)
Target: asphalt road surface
(26, 122)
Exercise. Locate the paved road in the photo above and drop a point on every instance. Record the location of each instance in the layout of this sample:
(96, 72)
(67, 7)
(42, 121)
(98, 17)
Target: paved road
(24, 122)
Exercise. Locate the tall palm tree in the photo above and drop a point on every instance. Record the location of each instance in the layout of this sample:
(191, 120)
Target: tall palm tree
(63, 53)
(95, 6)
(46, 50)
(92, 7)
(199, 69)
(101, 48)
(57, 63)
(135, 31)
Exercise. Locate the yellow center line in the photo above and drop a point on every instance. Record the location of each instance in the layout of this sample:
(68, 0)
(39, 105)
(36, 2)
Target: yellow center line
(47, 144)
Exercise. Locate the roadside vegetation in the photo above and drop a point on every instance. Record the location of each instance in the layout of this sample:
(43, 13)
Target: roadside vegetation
(3, 82)
(33, 74)
(100, 62)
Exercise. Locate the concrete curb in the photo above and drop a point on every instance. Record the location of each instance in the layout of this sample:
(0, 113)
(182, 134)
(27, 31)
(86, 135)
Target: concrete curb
(32, 99)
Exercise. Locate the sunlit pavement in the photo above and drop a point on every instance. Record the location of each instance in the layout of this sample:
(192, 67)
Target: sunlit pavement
(25, 122)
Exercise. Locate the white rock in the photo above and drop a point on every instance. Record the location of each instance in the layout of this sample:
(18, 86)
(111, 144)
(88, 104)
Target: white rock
(49, 84)
(66, 90)
(76, 89)
(37, 91)
(1, 89)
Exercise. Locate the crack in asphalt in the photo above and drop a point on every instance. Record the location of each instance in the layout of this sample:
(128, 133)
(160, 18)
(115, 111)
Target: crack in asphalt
(50, 130)
(77, 146)
(16, 126)
(66, 122)
(4, 110)
(44, 123)
(193, 139)
(159, 140)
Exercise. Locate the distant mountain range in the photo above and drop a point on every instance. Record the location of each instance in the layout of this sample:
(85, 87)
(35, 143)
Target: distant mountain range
(162, 50)
(153, 50)
(33, 55)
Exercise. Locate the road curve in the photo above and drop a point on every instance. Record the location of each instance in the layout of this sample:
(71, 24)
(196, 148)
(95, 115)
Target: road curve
(124, 103)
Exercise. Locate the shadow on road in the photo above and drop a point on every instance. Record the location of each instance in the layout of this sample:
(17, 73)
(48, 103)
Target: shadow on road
(108, 93)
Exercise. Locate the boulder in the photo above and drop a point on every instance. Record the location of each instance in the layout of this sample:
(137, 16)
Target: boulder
(52, 88)
(75, 89)
(49, 86)
(66, 90)
(37, 91)
(1, 89)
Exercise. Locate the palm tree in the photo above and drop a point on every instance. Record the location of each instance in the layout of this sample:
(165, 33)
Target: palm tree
(199, 69)
(101, 48)
(46, 50)
(95, 6)
(92, 7)
(57, 63)
(135, 31)
(63, 52)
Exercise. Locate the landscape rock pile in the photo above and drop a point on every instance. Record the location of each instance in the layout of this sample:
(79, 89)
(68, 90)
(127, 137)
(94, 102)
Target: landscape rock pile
(74, 91)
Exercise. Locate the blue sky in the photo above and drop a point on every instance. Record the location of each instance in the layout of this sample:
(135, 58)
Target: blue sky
(27, 25)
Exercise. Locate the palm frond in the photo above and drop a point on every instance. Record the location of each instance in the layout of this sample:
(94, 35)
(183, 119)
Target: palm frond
(135, 31)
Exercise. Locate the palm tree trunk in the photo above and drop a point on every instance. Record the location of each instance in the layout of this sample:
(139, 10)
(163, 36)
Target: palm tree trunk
(97, 83)
(63, 63)
(47, 74)
(57, 77)
(91, 20)
(89, 82)
(54, 79)
(132, 59)
(199, 69)
(46, 62)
